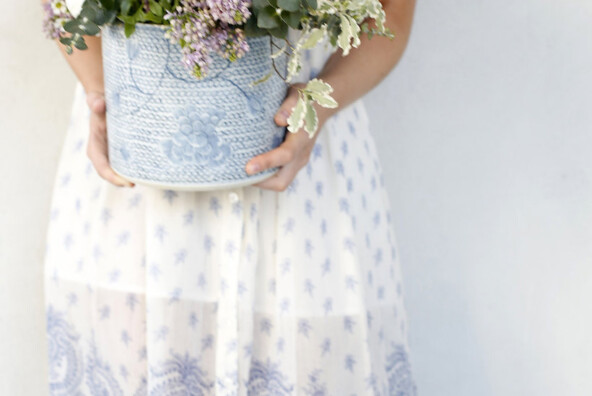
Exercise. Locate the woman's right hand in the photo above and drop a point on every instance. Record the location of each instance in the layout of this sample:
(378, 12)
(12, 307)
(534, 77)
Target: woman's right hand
(97, 149)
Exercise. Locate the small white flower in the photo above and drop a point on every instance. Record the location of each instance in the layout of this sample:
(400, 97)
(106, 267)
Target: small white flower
(58, 7)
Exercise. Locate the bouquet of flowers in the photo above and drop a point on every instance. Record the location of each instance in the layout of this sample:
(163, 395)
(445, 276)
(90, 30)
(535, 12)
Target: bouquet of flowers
(204, 27)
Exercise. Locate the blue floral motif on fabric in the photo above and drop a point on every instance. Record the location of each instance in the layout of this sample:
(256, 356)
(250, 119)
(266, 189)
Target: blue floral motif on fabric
(196, 140)
(99, 377)
(265, 379)
(180, 375)
(315, 387)
(65, 357)
(400, 380)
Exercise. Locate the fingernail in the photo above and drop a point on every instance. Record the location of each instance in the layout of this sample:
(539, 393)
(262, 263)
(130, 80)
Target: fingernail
(253, 168)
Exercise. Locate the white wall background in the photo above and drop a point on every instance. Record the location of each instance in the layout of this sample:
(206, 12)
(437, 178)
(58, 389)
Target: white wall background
(484, 131)
(488, 152)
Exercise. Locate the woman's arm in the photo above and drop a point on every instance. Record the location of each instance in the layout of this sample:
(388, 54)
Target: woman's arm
(88, 67)
(363, 68)
(351, 77)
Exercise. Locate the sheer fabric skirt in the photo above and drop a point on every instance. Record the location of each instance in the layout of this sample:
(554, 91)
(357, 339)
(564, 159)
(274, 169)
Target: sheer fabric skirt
(244, 291)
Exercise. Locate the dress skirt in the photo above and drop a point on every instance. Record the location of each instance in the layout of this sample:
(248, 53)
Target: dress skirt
(243, 291)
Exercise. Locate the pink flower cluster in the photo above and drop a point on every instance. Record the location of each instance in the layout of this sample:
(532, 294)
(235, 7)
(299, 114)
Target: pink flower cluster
(203, 26)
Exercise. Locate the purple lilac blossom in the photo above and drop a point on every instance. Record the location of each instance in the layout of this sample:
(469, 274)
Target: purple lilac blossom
(209, 25)
(55, 15)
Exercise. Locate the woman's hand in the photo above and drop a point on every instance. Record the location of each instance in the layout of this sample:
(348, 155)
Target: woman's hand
(97, 149)
(294, 152)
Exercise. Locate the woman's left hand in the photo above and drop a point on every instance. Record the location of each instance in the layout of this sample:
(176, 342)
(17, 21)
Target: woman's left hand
(294, 152)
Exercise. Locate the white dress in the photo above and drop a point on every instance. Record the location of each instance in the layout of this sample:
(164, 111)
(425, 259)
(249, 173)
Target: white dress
(232, 292)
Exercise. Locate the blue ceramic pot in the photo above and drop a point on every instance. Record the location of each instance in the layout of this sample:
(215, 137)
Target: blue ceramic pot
(167, 129)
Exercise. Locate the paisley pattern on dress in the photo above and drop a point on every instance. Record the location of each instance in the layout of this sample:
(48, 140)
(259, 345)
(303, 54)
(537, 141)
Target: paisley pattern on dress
(180, 375)
(99, 376)
(265, 379)
(65, 360)
(74, 364)
(400, 380)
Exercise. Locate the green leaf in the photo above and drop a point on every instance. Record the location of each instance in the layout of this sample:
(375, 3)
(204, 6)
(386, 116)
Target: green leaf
(80, 44)
(320, 91)
(104, 17)
(293, 19)
(126, 5)
(251, 29)
(88, 10)
(345, 35)
(311, 119)
(325, 100)
(129, 29)
(268, 18)
(280, 32)
(90, 29)
(156, 8)
(289, 5)
(152, 18)
(296, 119)
(312, 4)
(318, 86)
(313, 39)
(259, 5)
(72, 26)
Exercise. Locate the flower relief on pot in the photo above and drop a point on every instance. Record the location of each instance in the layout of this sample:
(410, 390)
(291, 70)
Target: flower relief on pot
(196, 140)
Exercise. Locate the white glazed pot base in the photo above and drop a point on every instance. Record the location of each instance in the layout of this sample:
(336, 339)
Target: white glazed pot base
(198, 187)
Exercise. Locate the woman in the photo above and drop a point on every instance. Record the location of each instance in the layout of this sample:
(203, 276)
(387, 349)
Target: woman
(291, 286)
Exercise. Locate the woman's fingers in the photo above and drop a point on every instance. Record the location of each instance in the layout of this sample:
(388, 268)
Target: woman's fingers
(281, 116)
(278, 156)
(100, 161)
(291, 156)
(97, 151)
(294, 149)
(97, 148)
(281, 180)
(285, 152)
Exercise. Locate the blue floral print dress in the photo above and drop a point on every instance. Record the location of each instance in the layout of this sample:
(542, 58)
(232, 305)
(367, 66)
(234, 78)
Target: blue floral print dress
(238, 292)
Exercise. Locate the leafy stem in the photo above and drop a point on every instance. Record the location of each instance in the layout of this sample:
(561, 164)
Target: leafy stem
(304, 114)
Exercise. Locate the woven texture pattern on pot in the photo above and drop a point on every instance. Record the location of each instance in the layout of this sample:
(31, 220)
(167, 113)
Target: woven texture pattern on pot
(165, 126)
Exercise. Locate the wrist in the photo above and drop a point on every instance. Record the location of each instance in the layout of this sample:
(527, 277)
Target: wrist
(94, 89)
(95, 100)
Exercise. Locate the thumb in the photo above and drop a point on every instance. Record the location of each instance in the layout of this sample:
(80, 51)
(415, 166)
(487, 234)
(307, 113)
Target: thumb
(285, 110)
